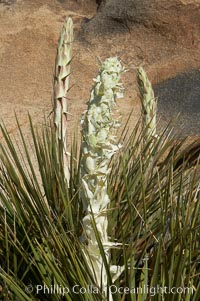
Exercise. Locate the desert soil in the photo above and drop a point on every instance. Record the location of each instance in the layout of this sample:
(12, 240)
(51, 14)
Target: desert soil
(29, 31)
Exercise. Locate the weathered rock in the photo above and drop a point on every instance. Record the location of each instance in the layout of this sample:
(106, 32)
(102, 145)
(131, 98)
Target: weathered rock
(168, 17)
(28, 41)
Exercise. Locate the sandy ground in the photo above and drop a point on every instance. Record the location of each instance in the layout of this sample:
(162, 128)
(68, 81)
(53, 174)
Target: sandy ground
(29, 30)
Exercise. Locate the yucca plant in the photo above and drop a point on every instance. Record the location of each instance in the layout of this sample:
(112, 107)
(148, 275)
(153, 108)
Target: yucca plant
(99, 145)
(60, 239)
(61, 88)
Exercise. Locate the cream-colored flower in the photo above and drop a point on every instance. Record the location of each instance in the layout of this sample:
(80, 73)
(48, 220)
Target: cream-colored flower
(98, 147)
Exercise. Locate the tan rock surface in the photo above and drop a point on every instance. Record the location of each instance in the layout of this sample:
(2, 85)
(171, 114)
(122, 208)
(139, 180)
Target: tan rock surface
(29, 30)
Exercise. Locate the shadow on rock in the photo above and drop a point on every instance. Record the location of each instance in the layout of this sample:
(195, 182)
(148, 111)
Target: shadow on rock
(181, 95)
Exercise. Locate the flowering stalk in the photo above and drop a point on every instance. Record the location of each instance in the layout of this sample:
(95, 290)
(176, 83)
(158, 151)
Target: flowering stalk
(149, 103)
(98, 147)
(61, 87)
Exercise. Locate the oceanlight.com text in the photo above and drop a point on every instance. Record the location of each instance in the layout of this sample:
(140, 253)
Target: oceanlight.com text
(152, 291)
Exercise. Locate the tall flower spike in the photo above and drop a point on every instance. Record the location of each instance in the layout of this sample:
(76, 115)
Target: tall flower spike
(149, 103)
(61, 87)
(98, 147)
